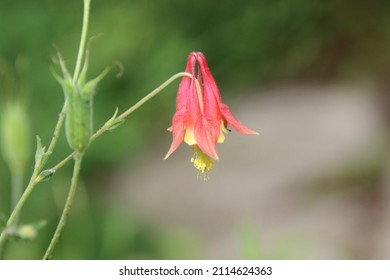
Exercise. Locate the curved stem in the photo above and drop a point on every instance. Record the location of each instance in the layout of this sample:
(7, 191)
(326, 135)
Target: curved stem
(127, 113)
(83, 40)
(141, 102)
(68, 204)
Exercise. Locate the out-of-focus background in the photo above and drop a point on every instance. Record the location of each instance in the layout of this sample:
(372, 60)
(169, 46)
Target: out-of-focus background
(312, 77)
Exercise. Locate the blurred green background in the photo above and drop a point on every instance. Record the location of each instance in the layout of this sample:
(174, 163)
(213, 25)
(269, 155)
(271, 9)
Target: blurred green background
(249, 44)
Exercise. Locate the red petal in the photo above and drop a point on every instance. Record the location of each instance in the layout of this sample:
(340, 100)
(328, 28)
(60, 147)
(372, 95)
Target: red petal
(185, 84)
(177, 129)
(233, 122)
(183, 117)
(208, 79)
(207, 130)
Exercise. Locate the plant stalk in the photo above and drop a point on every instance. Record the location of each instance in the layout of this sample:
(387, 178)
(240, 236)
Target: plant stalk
(33, 181)
(34, 178)
(68, 204)
(83, 40)
(16, 189)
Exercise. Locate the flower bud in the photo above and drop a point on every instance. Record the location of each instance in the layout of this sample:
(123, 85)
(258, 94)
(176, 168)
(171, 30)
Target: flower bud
(15, 136)
(78, 119)
(79, 95)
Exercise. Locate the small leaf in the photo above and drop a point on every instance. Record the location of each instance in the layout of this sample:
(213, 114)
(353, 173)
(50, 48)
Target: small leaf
(114, 125)
(45, 175)
(40, 152)
(115, 114)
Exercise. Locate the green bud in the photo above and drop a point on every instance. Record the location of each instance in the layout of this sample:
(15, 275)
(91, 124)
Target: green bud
(78, 118)
(79, 99)
(15, 136)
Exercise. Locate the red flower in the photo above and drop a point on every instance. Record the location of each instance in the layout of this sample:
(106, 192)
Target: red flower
(201, 119)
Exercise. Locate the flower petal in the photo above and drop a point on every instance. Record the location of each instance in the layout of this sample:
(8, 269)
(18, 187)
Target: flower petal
(207, 130)
(177, 129)
(182, 93)
(233, 122)
(208, 80)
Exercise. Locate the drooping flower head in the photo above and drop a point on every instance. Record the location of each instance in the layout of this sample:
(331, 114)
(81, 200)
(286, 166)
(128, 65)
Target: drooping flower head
(201, 119)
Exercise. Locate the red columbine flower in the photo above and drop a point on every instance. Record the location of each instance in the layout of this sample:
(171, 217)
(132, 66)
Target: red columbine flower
(201, 119)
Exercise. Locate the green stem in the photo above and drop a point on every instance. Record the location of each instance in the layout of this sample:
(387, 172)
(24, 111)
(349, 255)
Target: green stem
(141, 102)
(57, 130)
(15, 214)
(34, 178)
(68, 204)
(126, 113)
(16, 189)
(83, 40)
(150, 95)
(33, 181)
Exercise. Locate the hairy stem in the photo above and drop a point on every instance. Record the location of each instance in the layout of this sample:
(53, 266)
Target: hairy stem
(68, 204)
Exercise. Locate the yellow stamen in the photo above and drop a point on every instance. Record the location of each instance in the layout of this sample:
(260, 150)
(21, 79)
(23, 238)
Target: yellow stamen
(202, 162)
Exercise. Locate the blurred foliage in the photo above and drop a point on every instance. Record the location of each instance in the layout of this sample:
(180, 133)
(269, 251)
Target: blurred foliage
(248, 44)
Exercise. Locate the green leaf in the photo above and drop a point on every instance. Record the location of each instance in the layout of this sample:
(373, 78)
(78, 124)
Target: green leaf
(115, 114)
(40, 152)
(112, 123)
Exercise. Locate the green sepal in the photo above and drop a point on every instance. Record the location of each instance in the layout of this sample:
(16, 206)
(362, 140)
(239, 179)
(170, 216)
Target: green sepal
(90, 86)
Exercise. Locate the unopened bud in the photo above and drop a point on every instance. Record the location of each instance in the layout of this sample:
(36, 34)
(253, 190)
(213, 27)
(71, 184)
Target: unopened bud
(79, 97)
(15, 136)
(78, 118)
